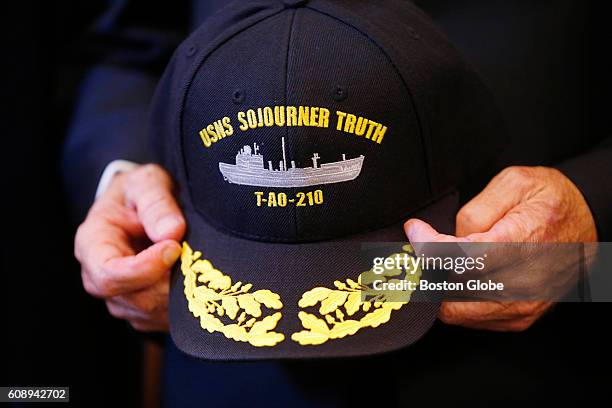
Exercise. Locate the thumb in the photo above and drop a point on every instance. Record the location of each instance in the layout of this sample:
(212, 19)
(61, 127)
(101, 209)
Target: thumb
(420, 232)
(134, 272)
(504, 192)
(149, 190)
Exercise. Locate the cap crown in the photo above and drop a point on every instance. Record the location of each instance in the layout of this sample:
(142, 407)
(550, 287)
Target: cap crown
(303, 124)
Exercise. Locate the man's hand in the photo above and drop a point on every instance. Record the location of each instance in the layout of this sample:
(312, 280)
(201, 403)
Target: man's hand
(521, 204)
(127, 244)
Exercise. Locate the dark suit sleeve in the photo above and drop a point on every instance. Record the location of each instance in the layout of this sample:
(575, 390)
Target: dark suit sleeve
(124, 53)
(591, 173)
(551, 85)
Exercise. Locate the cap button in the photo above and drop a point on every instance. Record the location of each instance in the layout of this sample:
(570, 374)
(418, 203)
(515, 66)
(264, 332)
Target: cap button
(191, 50)
(294, 3)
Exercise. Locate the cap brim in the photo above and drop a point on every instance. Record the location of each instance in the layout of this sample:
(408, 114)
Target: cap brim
(289, 271)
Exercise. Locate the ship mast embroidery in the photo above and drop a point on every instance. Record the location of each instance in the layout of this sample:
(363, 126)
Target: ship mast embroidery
(250, 170)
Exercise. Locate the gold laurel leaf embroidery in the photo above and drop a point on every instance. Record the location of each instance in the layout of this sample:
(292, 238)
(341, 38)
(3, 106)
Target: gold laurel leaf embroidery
(393, 305)
(312, 322)
(222, 282)
(306, 337)
(333, 301)
(367, 278)
(352, 284)
(268, 323)
(210, 323)
(318, 333)
(221, 297)
(218, 298)
(340, 285)
(235, 332)
(230, 304)
(266, 340)
(241, 318)
(190, 283)
(345, 328)
(205, 294)
(268, 298)
(377, 317)
(198, 307)
(249, 304)
(313, 296)
(352, 297)
(353, 303)
(205, 269)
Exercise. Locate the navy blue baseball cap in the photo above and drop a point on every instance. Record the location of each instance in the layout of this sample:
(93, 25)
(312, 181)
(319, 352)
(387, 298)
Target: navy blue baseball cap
(297, 131)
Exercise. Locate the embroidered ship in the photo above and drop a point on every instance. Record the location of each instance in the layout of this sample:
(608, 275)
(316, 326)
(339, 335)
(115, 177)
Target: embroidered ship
(249, 170)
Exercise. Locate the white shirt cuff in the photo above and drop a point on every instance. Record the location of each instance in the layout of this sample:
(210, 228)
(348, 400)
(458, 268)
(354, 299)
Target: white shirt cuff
(114, 167)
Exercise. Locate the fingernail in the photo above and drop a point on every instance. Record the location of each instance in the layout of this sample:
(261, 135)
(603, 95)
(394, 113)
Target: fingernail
(171, 254)
(408, 225)
(167, 225)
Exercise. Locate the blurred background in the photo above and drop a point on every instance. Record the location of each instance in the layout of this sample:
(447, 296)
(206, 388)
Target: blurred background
(55, 335)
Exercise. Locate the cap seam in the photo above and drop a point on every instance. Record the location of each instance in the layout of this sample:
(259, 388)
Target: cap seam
(188, 82)
(408, 90)
(291, 33)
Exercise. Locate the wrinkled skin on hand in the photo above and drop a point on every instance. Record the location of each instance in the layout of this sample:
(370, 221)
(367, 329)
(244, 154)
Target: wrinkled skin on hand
(127, 245)
(520, 204)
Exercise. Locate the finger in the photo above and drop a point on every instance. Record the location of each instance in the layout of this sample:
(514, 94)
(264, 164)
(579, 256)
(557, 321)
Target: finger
(463, 313)
(149, 190)
(515, 226)
(491, 315)
(504, 192)
(420, 231)
(119, 275)
(503, 325)
(149, 300)
(505, 244)
(421, 235)
(137, 320)
(106, 223)
(111, 208)
(96, 242)
(124, 311)
(149, 327)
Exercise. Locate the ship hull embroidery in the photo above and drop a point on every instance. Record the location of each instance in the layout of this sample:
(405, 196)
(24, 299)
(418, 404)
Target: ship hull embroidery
(250, 170)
